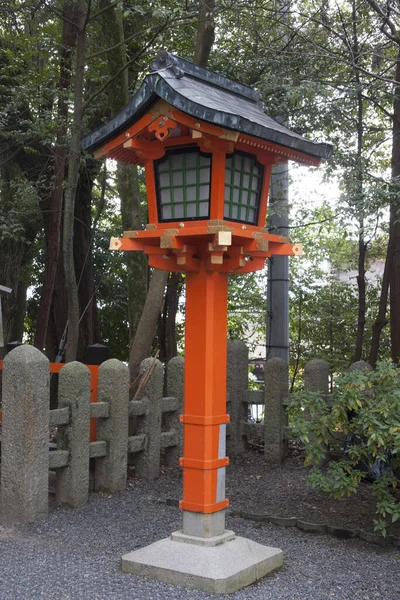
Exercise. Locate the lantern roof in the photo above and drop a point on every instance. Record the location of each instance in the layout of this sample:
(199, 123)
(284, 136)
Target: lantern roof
(207, 96)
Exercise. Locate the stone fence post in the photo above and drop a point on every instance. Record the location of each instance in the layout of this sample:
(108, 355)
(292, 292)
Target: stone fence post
(25, 436)
(72, 481)
(175, 379)
(276, 378)
(237, 381)
(316, 377)
(148, 460)
(361, 365)
(113, 388)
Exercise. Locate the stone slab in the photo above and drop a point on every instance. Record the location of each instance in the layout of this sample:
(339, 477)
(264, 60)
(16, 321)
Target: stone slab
(217, 569)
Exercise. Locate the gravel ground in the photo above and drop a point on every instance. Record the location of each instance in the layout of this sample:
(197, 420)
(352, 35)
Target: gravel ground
(75, 554)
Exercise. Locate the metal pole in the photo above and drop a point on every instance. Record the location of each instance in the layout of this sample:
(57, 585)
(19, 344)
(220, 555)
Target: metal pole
(3, 290)
(278, 269)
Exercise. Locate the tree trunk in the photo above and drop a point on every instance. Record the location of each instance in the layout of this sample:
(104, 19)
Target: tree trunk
(167, 329)
(70, 192)
(361, 298)
(136, 262)
(148, 322)
(52, 209)
(127, 175)
(391, 274)
(361, 283)
(83, 259)
(395, 225)
(381, 320)
(205, 32)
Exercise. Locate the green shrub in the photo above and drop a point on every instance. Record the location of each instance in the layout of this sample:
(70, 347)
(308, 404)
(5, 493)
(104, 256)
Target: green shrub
(365, 407)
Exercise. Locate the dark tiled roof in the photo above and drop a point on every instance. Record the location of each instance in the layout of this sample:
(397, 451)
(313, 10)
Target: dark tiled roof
(207, 96)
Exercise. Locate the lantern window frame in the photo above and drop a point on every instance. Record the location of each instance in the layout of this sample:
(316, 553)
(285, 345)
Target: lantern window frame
(248, 189)
(184, 186)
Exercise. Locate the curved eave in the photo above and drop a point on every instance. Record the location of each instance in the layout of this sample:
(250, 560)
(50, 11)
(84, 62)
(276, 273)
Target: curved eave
(156, 86)
(141, 101)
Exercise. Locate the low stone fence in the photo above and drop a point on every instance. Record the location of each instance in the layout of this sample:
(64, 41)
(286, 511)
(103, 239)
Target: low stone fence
(27, 457)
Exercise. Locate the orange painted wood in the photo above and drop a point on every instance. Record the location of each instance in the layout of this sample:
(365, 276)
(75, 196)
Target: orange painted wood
(205, 509)
(133, 130)
(151, 192)
(262, 214)
(196, 124)
(255, 145)
(217, 185)
(204, 464)
(204, 388)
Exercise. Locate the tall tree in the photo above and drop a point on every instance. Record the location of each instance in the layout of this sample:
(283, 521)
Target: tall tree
(387, 15)
(80, 22)
(52, 206)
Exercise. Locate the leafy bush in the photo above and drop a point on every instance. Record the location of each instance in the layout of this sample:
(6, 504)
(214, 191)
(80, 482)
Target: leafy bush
(363, 409)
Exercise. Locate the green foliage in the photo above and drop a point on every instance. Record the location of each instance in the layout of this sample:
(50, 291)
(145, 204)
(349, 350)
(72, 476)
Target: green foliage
(323, 291)
(246, 308)
(365, 405)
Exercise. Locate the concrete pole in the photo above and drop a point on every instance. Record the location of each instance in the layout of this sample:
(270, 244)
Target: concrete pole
(277, 343)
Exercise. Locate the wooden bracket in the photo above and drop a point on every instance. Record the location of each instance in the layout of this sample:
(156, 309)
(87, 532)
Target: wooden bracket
(162, 127)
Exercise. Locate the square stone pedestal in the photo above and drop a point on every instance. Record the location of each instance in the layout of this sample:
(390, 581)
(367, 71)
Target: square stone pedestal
(219, 564)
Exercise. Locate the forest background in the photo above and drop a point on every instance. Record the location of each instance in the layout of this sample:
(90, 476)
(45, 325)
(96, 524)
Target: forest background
(331, 70)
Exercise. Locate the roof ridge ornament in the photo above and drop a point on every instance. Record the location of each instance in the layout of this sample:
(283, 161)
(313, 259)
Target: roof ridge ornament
(166, 60)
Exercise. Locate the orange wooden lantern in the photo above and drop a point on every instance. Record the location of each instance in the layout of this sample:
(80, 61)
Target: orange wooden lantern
(208, 149)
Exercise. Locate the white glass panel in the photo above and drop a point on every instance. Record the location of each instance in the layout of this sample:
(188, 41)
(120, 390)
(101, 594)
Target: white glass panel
(177, 178)
(176, 161)
(164, 180)
(228, 176)
(247, 163)
(256, 171)
(253, 198)
(204, 161)
(236, 179)
(177, 195)
(226, 210)
(203, 212)
(227, 194)
(166, 212)
(191, 176)
(165, 196)
(252, 215)
(235, 196)
(204, 175)
(229, 162)
(191, 193)
(254, 183)
(245, 197)
(242, 214)
(191, 210)
(246, 181)
(163, 166)
(178, 211)
(191, 160)
(204, 192)
(235, 212)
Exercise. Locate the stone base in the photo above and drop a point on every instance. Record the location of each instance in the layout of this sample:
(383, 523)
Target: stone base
(219, 569)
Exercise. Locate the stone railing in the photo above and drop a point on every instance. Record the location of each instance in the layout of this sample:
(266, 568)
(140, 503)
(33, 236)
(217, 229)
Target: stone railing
(27, 456)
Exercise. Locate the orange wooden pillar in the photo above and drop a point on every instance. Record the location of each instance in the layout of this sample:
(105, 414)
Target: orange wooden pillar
(205, 417)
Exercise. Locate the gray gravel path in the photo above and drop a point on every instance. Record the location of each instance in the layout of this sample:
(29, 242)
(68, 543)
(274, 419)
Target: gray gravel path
(74, 555)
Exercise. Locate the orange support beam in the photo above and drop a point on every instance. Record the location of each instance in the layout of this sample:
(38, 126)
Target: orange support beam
(205, 415)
